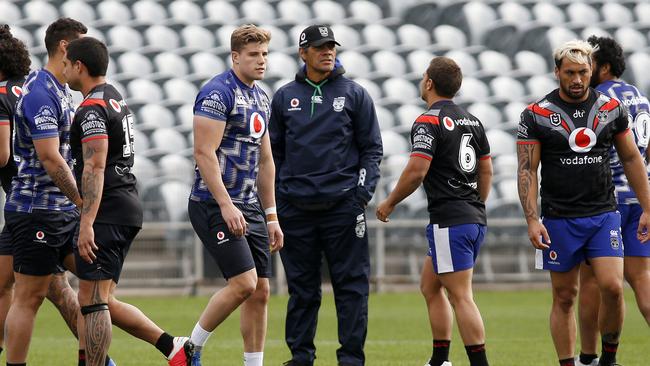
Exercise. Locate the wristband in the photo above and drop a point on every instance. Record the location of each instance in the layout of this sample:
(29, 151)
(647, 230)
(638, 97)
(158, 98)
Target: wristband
(271, 210)
(273, 222)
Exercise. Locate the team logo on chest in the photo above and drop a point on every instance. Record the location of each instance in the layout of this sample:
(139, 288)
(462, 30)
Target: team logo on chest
(582, 140)
(555, 119)
(338, 104)
(256, 125)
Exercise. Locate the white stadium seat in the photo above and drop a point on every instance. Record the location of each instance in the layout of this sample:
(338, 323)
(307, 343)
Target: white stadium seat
(394, 143)
(531, 63)
(160, 37)
(294, 11)
(514, 12)
(281, 65)
(507, 88)
(123, 38)
(257, 11)
(355, 63)
(371, 87)
(389, 63)
(488, 114)
(400, 90)
(134, 64)
(419, 60)
(152, 116)
(548, 13)
(40, 12)
(170, 64)
(180, 91)
(347, 36)
(378, 36)
(467, 63)
(149, 12)
(195, 37)
(328, 11)
(113, 12)
(185, 12)
(78, 10)
(143, 91)
(365, 11)
(10, 12)
(413, 36)
(449, 37)
(221, 11)
(206, 64)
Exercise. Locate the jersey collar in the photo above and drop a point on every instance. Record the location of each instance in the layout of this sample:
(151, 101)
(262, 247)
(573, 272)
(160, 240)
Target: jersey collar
(239, 82)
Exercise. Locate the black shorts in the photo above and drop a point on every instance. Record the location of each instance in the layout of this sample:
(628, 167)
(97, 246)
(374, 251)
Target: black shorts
(41, 240)
(114, 242)
(6, 248)
(233, 255)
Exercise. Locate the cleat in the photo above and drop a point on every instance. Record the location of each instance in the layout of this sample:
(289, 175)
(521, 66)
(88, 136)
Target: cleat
(196, 358)
(110, 362)
(593, 363)
(446, 363)
(182, 353)
(294, 363)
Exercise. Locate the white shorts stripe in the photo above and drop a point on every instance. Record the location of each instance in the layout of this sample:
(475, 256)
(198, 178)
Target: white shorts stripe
(539, 259)
(444, 262)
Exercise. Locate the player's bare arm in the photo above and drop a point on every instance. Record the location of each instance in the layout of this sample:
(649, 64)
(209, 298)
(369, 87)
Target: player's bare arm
(207, 138)
(408, 182)
(266, 191)
(637, 177)
(484, 178)
(5, 140)
(528, 156)
(47, 150)
(92, 185)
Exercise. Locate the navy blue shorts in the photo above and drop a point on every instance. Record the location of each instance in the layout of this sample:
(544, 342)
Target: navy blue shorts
(41, 240)
(630, 215)
(575, 239)
(6, 248)
(454, 248)
(234, 255)
(114, 242)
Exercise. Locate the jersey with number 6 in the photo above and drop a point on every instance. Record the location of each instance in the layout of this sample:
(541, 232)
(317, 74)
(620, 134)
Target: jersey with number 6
(104, 115)
(454, 141)
(638, 108)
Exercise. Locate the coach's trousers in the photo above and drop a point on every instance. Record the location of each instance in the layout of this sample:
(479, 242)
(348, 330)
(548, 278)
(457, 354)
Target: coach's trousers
(339, 233)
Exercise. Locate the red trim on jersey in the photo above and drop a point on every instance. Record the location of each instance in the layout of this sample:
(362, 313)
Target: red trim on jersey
(623, 133)
(486, 157)
(547, 113)
(96, 137)
(3, 90)
(425, 118)
(528, 142)
(89, 102)
(421, 156)
(613, 103)
(4, 123)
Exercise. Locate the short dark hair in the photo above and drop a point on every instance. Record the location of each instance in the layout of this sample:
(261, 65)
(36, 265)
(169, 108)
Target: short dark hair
(91, 52)
(63, 29)
(446, 76)
(608, 51)
(14, 57)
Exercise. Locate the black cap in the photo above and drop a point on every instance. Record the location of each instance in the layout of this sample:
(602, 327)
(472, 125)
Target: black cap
(316, 35)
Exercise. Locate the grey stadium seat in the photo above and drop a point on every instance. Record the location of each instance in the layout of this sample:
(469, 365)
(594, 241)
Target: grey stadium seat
(418, 61)
(145, 170)
(400, 90)
(174, 195)
(501, 142)
(512, 112)
(168, 141)
(78, 10)
(514, 12)
(530, 63)
(294, 11)
(473, 90)
(371, 87)
(23, 35)
(365, 11)
(197, 38)
(413, 36)
(449, 37)
(328, 11)
(185, 117)
(385, 118)
(10, 13)
(176, 167)
(582, 14)
(630, 39)
(143, 91)
(279, 39)
(548, 13)
(407, 114)
(507, 88)
(221, 12)
(40, 12)
(642, 12)
(388, 63)
(206, 65)
(465, 61)
(479, 16)
(123, 38)
(160, 38)
(616, 13)
(355, 63)
(113, 12)
(540, 85)
(425, 15)
(281, 65)
(169, 64)
(394, 143)
(378, 36)
(152, 116)
(185, 12)
(487, 114)
(256, 11)
(132, 65)
(149, 12)
(494, 63)
(179, 91)
(347, 36)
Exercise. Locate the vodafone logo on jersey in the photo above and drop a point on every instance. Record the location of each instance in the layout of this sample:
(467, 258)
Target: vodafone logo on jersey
(257, 125)
(16, 90)
(448, 123)
(582, 140)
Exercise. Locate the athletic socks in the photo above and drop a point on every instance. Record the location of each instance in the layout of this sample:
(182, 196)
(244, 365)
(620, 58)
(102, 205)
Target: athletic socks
(476, 354)
(82, 357)
(1, 350)
(199, 336)
(440, 352)
(253, 358)
(609, 353)
(586, 359)
(568, 362)
(16, 364)
(165, 344)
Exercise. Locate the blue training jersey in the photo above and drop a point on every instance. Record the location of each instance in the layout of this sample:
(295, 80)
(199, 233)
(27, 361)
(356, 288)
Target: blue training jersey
(245, 111)
(639, 115)
(44, 110)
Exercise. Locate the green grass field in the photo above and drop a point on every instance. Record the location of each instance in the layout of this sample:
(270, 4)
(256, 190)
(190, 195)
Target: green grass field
(398, 334)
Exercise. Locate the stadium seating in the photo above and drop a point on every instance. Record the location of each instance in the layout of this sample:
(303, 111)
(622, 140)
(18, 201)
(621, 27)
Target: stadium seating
(163, 51)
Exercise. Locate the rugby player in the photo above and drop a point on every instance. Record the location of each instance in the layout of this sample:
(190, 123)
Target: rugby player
(101, 140)
(608, 66)
(451, 156)
(234, 168)
(570, 132)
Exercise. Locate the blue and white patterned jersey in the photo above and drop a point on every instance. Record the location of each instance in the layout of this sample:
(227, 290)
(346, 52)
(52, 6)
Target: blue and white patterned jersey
(639, 115)
(245, 111)
(43, 111)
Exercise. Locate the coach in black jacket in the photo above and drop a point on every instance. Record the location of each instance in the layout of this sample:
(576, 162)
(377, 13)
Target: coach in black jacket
(327, 149)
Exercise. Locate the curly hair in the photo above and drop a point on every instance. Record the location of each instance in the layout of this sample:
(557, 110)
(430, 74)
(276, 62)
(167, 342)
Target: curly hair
(14, 57)
(608, 51)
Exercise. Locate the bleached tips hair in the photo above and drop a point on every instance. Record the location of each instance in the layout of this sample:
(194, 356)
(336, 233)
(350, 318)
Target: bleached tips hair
(576, 51)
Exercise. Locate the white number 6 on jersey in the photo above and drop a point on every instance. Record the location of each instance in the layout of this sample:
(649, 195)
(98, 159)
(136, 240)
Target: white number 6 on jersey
(467, 154)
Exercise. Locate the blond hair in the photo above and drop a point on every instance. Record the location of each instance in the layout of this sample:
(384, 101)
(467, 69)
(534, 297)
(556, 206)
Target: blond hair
(575, 51)
(248, 33)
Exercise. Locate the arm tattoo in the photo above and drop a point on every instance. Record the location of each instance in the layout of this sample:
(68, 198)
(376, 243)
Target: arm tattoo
(90, 184)
(526, 181)
(98, 331)
(62, 177)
